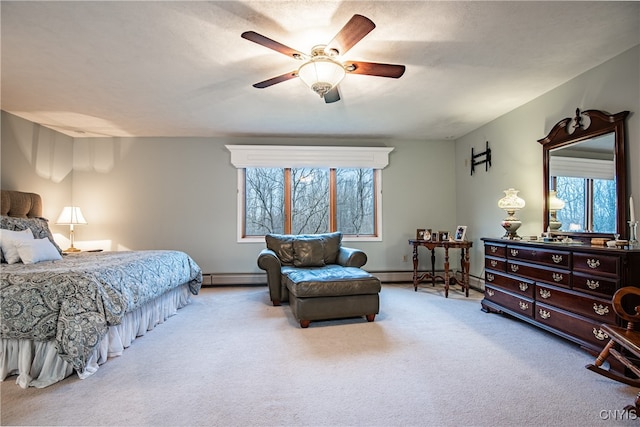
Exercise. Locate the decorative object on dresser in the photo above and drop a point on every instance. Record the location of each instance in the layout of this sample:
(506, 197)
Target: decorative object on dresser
(563, 288)
(555, 204)
(71, 215)
(511, 203)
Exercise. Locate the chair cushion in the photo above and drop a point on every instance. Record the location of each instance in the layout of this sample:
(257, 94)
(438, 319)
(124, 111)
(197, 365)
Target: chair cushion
(331, 280)
(308, 251)
(332, 242)
(282, 245)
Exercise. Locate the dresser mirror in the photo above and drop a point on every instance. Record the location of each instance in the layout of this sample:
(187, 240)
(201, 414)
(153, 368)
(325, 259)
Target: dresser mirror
(585, 176)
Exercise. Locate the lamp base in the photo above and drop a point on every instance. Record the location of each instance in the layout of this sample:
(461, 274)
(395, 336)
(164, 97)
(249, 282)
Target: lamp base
(511, 225)
(71, 249)
(554, 225)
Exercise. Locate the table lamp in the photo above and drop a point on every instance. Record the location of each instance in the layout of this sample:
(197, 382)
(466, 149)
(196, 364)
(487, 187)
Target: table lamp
(555, 204)
(510, 203)
(71, 215)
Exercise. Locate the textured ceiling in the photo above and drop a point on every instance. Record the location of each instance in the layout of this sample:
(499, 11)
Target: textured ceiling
(181, 68)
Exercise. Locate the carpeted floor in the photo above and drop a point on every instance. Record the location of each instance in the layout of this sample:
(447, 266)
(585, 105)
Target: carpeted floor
(232, 359)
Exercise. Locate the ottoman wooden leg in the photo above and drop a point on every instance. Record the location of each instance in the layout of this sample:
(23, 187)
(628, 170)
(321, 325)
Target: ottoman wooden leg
(304, 323)
(370, 317)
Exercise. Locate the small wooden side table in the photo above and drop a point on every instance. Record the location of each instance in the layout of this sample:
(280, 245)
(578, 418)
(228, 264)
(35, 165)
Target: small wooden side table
(448, 278)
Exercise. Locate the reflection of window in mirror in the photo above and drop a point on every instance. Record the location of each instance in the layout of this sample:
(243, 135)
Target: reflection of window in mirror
(583, 176)
(587, 201)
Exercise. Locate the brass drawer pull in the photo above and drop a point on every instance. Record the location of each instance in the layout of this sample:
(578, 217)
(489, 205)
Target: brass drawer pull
(556, 258)
(593, 284)
(494, 263)
(514, 252)
(491, 292)
(600, 334)
(593, 263)
(544, 293)
(557, 277)
(523, 305)
(514, 268)
(490, 277)
(523, 286)
(601, 310)
(544, 314)
(493, 249)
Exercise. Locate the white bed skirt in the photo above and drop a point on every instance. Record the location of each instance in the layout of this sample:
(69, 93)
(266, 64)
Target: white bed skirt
(37, 363)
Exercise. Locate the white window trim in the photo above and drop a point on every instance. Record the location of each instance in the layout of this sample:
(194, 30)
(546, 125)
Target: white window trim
(287, 156)
(284, 156)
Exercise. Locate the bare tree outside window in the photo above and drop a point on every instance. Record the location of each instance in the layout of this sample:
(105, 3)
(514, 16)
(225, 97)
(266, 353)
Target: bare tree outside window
(315, 195)
(264, 201)
(310, 201)
(355, 201)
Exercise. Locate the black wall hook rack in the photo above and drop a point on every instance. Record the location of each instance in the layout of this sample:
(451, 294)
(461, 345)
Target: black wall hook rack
(486, 160)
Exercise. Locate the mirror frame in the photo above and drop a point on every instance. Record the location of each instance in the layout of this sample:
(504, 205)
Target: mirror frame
(562, 135)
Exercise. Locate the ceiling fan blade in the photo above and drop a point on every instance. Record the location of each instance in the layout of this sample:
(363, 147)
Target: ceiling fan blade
(353, 31)
(332, 96)
(278, 79)
(375, 69)
(272, 44)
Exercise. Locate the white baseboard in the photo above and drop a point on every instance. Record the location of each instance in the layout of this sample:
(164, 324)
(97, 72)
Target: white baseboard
(243, 279)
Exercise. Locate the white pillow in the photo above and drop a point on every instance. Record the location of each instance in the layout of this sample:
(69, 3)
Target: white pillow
(36, 250)
(8, 241)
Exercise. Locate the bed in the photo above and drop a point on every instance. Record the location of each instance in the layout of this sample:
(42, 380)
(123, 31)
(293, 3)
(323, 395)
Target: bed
(73, 312)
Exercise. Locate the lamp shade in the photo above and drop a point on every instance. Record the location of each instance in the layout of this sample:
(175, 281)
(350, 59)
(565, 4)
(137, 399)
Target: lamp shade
(555, 204)
(321, 74)
(71, 215)
(511, 202)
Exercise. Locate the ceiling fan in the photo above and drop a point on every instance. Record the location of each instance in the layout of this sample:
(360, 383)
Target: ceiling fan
(322, 70)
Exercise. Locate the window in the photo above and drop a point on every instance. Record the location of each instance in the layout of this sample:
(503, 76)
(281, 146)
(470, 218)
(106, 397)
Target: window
(589, 204)
(294, 190)
(309, 200)
(588, 188)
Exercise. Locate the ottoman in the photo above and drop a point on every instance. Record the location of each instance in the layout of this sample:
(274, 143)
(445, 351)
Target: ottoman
(332, 292)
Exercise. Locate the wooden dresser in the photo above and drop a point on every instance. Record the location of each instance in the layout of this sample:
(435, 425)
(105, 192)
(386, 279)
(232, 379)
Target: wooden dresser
(565, 289)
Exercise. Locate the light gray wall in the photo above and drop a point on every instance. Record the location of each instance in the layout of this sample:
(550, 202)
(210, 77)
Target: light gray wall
(37, 159)
(517, 156)
(180, 193)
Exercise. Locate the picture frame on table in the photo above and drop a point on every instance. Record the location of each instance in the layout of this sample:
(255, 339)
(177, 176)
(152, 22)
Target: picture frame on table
(434, 236)
(443, 236)
(427, 234)
(461, 233)
(420, 233)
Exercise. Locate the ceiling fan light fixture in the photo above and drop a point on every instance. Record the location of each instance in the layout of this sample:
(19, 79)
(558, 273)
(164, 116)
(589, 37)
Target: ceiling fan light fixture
(321, 74)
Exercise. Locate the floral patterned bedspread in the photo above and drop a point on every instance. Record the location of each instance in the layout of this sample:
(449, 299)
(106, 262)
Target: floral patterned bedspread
(76, 299)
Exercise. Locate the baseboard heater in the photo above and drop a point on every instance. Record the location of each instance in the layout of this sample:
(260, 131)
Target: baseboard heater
(255, 279)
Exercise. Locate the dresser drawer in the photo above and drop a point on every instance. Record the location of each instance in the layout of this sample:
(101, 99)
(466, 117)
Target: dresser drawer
(512, 302)
(598, 309)
(577, 326)
(537, 272)
(607, 265)
(596, 285)
(518, 285)
(499, 264)
(540, 256)
(495, 249)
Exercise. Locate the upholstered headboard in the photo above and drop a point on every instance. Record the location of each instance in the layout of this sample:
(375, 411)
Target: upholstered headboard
(20, 204)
